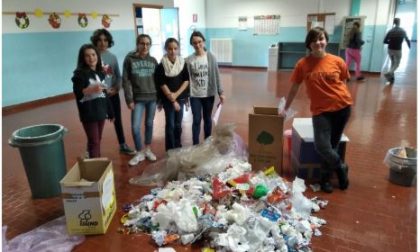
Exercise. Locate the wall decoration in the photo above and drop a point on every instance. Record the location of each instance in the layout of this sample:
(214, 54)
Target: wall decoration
(38, 13)
(106, 21)
(266, 24)
(82, 20)
(22, 20)
(94, 14)
(54, 20)
(67, 13)
(324, 20)
(243, 23)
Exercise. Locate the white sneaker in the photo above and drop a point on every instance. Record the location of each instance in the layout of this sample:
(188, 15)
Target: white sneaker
(149, 154)
(136, 159)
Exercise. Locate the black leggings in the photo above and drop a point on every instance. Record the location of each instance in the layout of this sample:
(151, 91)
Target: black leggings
(116, 105)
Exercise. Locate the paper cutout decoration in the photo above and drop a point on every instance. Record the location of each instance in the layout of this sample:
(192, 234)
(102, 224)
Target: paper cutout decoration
(82, 20)
(38, 13)
(94, 14)
(54, 20)
(22, 20)
(67, 13)
(106, 21)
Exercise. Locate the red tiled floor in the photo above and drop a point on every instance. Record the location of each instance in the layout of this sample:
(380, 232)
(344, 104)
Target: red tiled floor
(372, 215)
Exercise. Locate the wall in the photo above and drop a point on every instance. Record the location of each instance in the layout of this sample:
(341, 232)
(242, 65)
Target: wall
(187, 8)
(38, 61)
(250, 50)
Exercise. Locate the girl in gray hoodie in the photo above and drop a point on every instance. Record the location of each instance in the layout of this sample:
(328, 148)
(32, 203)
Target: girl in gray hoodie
(140, 95)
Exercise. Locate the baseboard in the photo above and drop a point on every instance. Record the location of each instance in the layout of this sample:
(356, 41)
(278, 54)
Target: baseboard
(8, 110)
(244, 67)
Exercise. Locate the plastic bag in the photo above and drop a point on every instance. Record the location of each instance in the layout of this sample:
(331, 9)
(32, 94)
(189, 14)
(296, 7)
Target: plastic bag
(217, 114)
(401, 157)
(290, 113)
(51, 236)
(208, 158)
(88, 97)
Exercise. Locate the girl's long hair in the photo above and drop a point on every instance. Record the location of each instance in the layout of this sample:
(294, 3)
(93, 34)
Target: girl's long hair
(81, 63)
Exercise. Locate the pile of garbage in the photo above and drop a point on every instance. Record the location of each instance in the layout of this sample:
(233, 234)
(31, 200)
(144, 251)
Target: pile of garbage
(209, 192)
(237, 210)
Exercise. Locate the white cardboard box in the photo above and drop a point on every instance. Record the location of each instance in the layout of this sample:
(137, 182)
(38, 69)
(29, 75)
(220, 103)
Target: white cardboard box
(88, 194)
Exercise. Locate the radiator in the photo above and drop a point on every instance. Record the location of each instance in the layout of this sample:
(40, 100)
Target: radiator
(222, 49)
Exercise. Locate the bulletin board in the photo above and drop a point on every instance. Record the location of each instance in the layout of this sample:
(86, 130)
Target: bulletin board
(347, 25)
(324, 20)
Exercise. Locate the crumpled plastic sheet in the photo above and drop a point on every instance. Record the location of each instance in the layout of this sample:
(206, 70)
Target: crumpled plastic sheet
(51, 236)
(207, 158)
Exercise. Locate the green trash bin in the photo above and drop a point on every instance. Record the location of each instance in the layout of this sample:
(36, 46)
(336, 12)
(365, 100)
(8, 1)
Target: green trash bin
(42, 150)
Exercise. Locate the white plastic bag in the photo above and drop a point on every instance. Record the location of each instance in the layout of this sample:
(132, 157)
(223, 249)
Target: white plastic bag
(290, 113)
(217, 113)
(51, 236)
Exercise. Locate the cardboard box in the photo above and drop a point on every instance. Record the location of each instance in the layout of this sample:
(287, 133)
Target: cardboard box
(306, 163)
(89, 204)
(265, 139)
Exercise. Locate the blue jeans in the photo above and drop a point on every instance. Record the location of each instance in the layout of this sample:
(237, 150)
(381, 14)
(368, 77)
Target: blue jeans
(199, 105)
(328, 128)
(173, 127)
(136, 116)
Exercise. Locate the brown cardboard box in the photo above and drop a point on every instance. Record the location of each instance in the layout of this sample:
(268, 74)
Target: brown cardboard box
(265, 139)
(88, 194)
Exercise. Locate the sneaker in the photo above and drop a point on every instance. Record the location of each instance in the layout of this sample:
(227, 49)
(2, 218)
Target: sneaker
(127, 150)
(136, 159)
(326, 187)
(149, 155)
(389, 75)
(360, 78)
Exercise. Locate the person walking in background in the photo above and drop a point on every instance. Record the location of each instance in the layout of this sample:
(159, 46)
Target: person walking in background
(172, 79)
(204, 85)
(102, 39)
(394, 39)
(325, 78)
(91, 97)
(354, 49)
(140, 95)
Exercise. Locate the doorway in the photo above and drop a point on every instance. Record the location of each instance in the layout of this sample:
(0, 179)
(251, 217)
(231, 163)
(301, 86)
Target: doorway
(159, 23)
(407, 12)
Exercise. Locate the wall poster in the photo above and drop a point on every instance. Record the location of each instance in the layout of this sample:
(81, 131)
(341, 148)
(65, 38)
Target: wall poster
(266, 24)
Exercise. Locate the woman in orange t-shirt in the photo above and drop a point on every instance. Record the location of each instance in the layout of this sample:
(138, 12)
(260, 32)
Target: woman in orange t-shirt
(325, 77)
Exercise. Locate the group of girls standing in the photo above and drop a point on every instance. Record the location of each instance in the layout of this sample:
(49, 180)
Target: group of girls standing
(147, 85)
